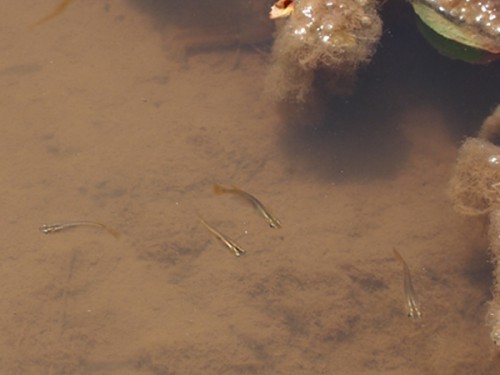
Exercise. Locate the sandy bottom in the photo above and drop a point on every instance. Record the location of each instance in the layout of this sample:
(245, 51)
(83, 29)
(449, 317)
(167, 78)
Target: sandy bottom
(104, 119)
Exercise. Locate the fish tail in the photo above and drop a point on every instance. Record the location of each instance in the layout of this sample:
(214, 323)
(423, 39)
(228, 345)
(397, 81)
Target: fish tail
(57, 11)
(219, 189)
(113, 232)
(398, 256)
(236, 188)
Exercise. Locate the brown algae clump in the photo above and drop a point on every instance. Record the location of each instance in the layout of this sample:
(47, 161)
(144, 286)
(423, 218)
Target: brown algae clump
(475, 185)
(475, 190)
(493, 316)
(335, 36)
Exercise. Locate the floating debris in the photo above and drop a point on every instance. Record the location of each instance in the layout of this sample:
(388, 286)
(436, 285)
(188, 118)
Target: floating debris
(281, 8)
(469, 30)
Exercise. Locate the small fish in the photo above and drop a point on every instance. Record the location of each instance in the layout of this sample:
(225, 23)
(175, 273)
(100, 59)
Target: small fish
(226, 241)
(411, 299)
(52, 228)
(270, 219)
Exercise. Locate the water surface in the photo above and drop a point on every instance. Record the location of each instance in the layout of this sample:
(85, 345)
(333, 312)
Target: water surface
(123, 113)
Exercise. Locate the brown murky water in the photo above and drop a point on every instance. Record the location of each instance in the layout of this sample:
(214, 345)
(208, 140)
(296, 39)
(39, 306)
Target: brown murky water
(105, 116)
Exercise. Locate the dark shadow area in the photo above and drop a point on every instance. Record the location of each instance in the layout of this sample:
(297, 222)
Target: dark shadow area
(479, 271)
(359, 137)
(210, 25)
(414, 72)
(354, 140)
(184, 13)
